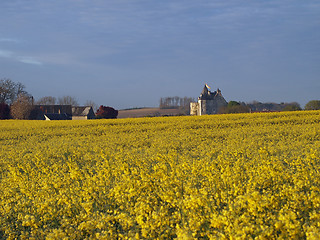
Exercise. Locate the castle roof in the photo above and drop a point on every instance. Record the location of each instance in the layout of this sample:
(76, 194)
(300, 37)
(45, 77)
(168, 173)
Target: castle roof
(205, 91)
(208, 95)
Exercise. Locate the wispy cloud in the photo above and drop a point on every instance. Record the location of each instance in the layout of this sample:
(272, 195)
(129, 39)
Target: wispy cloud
(24, 59)
(15, 56)
(61, 58)
(29, 60)
(10, 40)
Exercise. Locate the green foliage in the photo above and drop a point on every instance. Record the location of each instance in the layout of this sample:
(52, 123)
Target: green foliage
(233, 103)
(292, 107)
(234, 107)
(313, 105)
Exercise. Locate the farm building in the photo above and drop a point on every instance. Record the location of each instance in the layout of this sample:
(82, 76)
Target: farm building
(53, 112)
(56, 116)
(83, 113)
(63, 112)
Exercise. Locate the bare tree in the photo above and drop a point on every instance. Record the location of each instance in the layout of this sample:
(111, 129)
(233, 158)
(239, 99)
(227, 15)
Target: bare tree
(175, 102)
(68, 100)
(22, 107)
(161, 105)
(10, 91)
(92, 104)
(48, 100)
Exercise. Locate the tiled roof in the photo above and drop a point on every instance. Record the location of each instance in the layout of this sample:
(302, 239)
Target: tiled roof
(80, 111)
(57, 116)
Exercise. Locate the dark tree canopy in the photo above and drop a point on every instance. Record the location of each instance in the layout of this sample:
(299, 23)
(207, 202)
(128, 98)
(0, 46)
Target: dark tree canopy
(234, 107)
(106, 112)
(233, 103)
(256, 106)
(313, 105)
(4, 111)
(292, 107)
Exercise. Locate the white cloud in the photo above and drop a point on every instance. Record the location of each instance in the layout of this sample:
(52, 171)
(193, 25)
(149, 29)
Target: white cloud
(15, 57)
(29, 60)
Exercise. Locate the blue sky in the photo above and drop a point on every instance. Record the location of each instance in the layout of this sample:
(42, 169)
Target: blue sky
(129, 53)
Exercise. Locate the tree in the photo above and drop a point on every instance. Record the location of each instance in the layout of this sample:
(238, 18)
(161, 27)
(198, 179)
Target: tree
(313, 105)
(4, 111)
(92, 104)
(233, 103)
(48, 100)
(106, 112)
(234, 107)
(10, 91)
(68, 100)
(292, 107)
(22, 107)
(175, 102)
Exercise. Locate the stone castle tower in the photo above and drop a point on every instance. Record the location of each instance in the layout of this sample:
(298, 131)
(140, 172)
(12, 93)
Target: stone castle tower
(208, 102)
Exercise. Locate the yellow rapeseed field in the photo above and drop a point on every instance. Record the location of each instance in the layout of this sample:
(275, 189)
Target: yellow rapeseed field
(241, 176)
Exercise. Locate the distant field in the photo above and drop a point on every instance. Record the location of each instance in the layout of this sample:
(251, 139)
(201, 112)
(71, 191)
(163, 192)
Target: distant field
(147, 112)
(233, 176)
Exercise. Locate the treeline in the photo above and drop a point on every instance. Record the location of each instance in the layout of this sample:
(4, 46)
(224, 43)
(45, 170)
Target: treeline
(181, 103)
(234, 107)
(175, 102)
(255, 106)
(17, 103)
